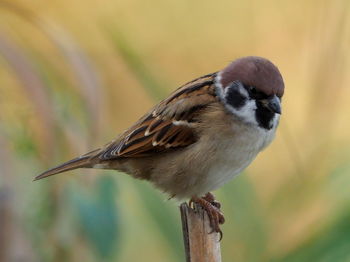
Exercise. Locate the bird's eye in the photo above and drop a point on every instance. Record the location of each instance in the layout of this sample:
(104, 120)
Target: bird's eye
(252, 89)
(255, 94)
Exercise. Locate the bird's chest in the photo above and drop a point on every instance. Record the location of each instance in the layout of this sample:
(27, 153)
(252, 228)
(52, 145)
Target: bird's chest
(233, 154)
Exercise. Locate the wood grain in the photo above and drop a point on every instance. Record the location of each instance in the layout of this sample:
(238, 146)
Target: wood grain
(200, 244)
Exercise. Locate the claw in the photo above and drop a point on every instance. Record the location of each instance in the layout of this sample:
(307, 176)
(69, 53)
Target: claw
(210, 198)
(212, 207)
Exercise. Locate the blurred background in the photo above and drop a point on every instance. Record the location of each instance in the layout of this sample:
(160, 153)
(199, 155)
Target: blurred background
(73, 74)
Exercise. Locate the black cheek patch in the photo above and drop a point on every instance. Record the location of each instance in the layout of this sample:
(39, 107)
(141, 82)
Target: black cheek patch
(234, 98)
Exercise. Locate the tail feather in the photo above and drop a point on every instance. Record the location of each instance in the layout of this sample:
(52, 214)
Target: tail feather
(79, 162)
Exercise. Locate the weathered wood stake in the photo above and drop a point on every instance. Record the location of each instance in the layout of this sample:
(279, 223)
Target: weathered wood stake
(200, 246)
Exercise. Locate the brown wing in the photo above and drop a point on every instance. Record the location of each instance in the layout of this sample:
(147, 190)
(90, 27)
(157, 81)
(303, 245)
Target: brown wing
(168, 126)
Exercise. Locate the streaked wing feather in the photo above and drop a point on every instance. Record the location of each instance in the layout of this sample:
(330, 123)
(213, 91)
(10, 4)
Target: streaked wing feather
(168, 125)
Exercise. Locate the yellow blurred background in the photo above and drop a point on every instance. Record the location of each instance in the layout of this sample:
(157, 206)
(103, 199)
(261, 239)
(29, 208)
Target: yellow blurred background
(73, 74)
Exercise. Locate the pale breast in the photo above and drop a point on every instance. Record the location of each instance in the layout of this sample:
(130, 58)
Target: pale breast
(230, 156)
(236, 154)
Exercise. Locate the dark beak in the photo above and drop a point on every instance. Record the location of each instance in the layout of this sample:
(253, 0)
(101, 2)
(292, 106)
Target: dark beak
(274, 104)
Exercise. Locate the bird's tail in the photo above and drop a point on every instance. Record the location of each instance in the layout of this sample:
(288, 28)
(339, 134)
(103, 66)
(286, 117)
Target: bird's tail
(84, 161)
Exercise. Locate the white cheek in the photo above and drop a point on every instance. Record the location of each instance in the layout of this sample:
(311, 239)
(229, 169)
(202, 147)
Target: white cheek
(246, 112)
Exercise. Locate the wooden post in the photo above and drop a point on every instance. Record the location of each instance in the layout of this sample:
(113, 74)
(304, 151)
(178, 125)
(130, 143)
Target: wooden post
(200, 246)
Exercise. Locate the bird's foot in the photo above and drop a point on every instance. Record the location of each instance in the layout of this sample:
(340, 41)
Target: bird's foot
(210, 198)
(216, 217)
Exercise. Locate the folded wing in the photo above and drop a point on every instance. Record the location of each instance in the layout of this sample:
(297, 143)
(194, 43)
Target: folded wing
(168, 126)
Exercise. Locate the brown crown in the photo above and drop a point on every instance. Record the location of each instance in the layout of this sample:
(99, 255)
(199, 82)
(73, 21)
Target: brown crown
(254, 71)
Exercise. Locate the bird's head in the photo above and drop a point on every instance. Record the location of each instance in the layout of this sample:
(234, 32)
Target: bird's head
(251, 88)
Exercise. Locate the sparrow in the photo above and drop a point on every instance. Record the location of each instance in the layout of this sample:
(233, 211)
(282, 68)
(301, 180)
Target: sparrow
(200, 137)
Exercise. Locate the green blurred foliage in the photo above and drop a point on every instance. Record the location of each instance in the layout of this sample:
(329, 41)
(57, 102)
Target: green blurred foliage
(75, 74)
(98, 215)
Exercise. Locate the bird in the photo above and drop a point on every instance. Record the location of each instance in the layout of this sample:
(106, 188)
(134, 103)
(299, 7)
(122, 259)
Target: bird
(200, 137)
